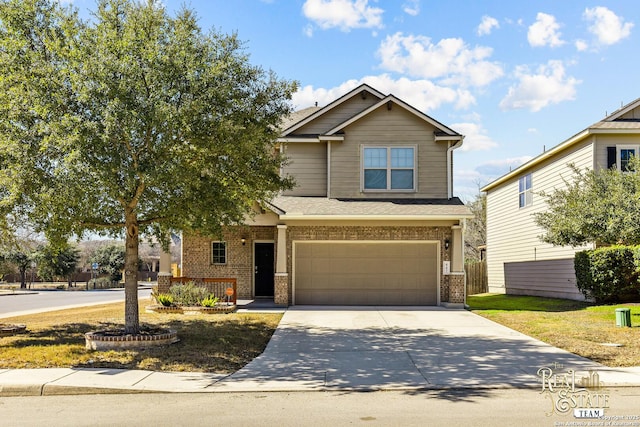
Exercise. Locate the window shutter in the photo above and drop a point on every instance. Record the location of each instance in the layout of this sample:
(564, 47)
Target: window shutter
(611, 157)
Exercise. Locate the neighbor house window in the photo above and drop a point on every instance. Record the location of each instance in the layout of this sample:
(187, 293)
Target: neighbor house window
(624, 155)
(218, 253)
(525, 194)
(386, 168)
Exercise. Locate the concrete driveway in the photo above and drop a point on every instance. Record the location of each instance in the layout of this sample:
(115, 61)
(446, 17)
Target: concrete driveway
(374, 348)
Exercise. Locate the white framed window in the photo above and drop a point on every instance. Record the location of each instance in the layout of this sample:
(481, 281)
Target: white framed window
(525, 194)
(624, 153)
(389, 168)
(218, 253)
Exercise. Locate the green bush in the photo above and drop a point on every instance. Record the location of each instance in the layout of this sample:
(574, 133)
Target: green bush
(188, 294)
(609, 274)
(210, 301)
(164, 299)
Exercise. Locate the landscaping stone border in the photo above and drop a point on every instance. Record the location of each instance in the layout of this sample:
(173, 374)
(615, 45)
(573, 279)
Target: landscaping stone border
(105, 340)
(191, 310)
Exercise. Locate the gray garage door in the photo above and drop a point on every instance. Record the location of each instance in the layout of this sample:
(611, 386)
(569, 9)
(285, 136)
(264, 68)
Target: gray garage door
(365, 273)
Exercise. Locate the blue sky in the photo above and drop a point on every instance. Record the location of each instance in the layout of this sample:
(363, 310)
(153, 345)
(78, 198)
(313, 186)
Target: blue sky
(513, 76)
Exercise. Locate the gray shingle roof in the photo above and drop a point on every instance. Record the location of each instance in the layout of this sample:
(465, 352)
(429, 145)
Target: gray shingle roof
(321, 206)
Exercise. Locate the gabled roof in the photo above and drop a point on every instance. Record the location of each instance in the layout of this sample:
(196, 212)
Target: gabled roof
(302, 117)
(320, 111)
(613, 123)
(384, 102)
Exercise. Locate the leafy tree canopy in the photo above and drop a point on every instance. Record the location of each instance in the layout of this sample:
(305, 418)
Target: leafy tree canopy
(110, 260)
(134, 120)
(601, 206)
(54, 262)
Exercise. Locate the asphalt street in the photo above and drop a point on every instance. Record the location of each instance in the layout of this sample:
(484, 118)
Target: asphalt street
(25, 303)
(466, 407)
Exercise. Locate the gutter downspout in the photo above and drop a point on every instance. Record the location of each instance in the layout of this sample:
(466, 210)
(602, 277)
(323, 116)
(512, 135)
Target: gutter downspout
(450, 166)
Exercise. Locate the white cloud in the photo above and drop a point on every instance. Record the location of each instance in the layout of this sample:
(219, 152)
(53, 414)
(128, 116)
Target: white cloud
(606, 25)
(544, 32)
(581, 45)
(343, 14)
(450, 59)
(487, 25)
(476, 138)
(496, 168)
(411, 7)
(308, 30)
(421, 94)
(548, 85)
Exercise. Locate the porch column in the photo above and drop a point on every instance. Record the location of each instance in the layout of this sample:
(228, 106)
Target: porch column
(457, 249)
(457, 285)
(281, 280)
(164, 275)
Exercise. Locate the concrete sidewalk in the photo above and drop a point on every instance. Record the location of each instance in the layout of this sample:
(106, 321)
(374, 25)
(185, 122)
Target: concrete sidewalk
(350, 348)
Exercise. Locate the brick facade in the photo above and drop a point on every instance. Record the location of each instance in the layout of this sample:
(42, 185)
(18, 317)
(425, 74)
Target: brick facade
(197, 260)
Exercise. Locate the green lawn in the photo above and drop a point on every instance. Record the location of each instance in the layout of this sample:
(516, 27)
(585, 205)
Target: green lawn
(221, 343)
(578, 327)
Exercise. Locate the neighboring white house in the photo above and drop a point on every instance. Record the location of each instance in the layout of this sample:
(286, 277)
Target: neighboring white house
(518, 262)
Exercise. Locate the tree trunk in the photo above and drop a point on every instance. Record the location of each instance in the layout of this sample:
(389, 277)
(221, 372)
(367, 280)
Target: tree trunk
(131, 317)
(23, 279)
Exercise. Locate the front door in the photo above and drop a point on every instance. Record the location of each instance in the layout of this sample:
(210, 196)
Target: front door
(263, 269)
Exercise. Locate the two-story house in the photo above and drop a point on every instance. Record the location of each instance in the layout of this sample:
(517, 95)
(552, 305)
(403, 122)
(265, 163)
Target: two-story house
(371, 221)
(518, 262)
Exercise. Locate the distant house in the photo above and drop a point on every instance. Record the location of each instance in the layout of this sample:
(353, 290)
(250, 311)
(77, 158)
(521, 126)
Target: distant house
(518, 262)
(372, 219)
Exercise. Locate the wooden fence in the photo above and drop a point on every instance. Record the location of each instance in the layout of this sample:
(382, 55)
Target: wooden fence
(477, 282)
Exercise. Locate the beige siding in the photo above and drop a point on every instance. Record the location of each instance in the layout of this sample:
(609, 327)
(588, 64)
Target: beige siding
(512, 235)
(388, 128)
(604, 141)
(548, 278)
(337, 115)
(632, 115)
(307, 164)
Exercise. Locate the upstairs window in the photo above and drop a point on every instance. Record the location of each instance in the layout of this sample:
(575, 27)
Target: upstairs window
(525, 195)
(218, 253)
(625, 153)
(387, 168)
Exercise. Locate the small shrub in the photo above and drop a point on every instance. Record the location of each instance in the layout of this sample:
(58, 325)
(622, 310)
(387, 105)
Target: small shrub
(164, 299)
(188, 294)
(210, 301)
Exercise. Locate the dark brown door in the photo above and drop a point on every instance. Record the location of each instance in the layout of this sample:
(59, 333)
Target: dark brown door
(263, 269)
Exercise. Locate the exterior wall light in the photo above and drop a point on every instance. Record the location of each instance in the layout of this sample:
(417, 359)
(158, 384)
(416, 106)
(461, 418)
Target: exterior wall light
(243, 240)
(446, 244)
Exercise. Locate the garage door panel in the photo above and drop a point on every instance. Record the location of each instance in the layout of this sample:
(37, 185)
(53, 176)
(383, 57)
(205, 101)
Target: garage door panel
(365, 273)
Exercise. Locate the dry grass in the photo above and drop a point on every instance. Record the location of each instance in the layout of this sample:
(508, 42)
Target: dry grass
(220, 343)
(574, 326)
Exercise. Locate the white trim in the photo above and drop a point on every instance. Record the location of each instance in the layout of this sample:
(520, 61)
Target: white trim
(444, 217)
(357, 91)
(328, 169)
(436, 242)
(310, 140)
(635, 148)
(389, 168)
(402, 104)
(622, 111)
